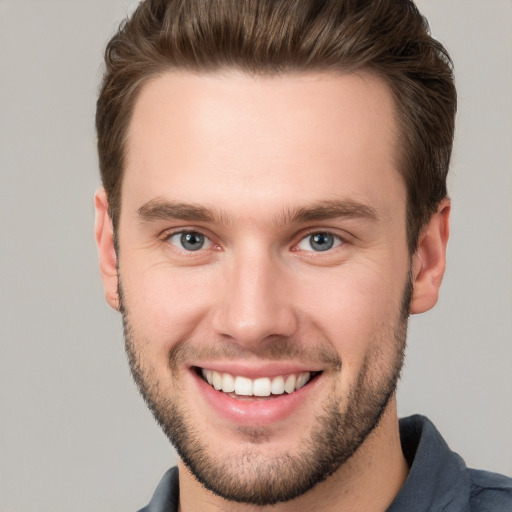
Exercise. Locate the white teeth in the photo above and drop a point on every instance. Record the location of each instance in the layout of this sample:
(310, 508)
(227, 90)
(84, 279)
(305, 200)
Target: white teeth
(277, 387)
(228, 383)
(301, 380)
(217, 380)
(263, 386)
(208, 375)
(243, 386)
(289, 385)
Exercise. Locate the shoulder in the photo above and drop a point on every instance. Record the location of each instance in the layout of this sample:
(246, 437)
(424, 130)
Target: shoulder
(439, 478)
(490, 492)
(166, 495)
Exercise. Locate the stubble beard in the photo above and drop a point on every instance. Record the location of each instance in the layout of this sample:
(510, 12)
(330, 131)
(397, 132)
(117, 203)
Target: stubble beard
(258, 479)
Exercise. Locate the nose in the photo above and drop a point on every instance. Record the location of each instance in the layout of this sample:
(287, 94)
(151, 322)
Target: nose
(255, 301)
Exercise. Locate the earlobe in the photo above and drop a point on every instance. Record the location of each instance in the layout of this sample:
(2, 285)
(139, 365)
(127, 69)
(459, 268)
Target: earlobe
(104, 235)
(429, 260)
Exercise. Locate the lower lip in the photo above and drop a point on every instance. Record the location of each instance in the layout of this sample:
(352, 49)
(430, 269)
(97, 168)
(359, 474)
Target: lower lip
(258, 411)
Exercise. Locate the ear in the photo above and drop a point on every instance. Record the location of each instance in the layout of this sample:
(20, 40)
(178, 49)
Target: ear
(104, 234)
(429, 260)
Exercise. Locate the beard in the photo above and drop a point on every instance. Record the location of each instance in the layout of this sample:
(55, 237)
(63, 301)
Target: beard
(339, 430)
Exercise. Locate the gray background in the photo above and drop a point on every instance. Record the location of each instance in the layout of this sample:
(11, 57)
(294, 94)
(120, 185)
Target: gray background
(74, 435)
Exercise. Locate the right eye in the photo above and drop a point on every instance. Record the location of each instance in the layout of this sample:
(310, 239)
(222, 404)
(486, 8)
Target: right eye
(319, 242)
(190, 241)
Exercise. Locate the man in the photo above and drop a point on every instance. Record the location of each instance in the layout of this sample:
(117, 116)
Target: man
(274, 207)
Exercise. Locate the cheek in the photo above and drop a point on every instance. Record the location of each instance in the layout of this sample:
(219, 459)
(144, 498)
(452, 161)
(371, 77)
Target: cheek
(356, 309)
(164, 306)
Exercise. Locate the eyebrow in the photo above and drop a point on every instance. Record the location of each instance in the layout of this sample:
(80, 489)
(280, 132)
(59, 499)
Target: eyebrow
(331, 209)
(161, 209)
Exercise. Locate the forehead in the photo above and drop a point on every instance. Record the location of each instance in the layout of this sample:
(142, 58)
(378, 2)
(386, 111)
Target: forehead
(230, 137)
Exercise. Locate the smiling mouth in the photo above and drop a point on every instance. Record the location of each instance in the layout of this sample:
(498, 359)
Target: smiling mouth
(238, 386)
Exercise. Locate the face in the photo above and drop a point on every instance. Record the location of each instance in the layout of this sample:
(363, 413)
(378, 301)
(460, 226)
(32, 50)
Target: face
(264, 272)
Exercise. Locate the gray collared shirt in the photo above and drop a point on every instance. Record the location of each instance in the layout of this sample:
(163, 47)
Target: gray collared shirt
(438, 480)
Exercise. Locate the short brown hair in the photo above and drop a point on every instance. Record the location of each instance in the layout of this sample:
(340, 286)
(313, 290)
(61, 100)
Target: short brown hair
(388, 38)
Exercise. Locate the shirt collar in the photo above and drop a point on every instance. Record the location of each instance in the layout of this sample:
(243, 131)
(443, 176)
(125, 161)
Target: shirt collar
(438, 478)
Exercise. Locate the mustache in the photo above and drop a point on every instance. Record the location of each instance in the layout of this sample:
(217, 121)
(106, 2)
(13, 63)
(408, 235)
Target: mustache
(276, 348)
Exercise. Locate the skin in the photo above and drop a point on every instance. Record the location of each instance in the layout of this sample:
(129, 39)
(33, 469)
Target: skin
(253, 151)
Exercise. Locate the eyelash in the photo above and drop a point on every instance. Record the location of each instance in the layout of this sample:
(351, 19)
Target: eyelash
(337, 240)
(188, 232)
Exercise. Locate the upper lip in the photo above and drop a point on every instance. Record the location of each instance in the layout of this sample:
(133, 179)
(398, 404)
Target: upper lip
(255, 371)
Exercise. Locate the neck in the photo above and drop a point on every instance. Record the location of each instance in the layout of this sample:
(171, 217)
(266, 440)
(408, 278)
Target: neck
(368, 481)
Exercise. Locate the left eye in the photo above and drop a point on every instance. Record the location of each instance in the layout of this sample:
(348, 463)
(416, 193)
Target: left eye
(190, 240)
(319, 242)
